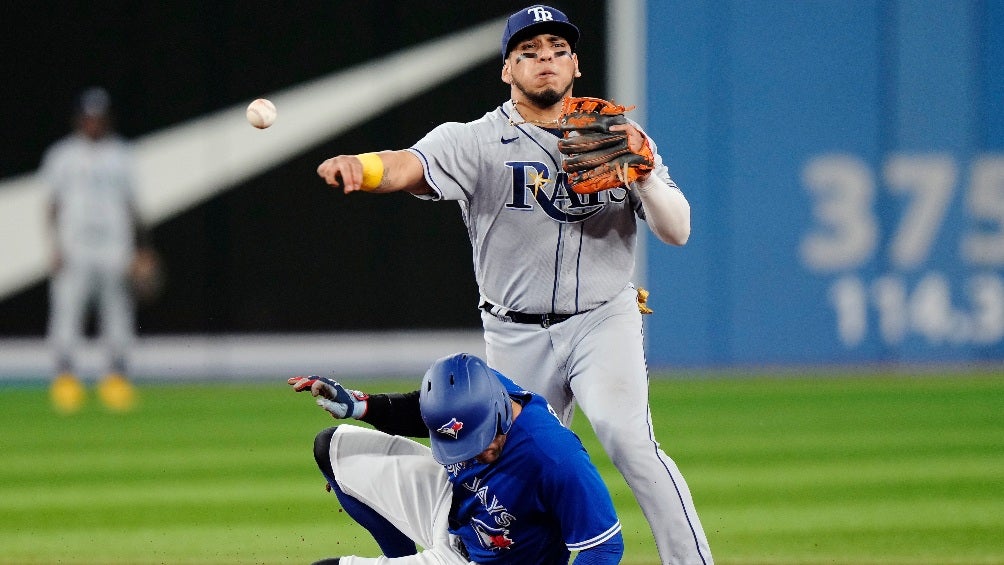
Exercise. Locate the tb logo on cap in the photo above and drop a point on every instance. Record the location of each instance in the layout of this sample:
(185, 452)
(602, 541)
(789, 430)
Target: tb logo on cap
(540, 14)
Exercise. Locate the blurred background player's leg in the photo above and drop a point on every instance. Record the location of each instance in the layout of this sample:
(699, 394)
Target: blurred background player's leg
(68, 297)
(117, 334)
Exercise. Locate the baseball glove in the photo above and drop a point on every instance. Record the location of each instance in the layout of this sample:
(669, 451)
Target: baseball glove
(595, 157)
(146, 277)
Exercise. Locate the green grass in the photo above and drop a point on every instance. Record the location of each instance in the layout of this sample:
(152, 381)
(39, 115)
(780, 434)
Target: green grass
(839, 469)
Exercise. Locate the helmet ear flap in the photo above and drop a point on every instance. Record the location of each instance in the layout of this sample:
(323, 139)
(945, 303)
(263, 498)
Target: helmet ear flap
(504, 412)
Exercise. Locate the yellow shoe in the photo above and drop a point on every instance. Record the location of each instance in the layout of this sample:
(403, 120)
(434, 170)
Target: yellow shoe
(67, 393)
(117, 393)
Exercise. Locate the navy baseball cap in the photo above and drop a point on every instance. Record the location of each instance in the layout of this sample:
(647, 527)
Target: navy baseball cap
(534, 21)
(94, 102)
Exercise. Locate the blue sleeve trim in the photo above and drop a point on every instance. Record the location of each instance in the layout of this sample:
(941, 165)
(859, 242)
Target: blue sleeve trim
(607, 553)
(606, 536)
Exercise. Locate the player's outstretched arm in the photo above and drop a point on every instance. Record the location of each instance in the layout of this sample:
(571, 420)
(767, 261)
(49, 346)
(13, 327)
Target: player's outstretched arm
(397, 414)
(337, 400)
(667, 211)
(386, 171)
(392, 413)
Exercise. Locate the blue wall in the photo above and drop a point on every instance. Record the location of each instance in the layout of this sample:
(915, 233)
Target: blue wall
(845, 168)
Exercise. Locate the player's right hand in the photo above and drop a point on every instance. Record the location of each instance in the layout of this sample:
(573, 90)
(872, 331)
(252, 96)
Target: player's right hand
(339, 401)
(344, 172)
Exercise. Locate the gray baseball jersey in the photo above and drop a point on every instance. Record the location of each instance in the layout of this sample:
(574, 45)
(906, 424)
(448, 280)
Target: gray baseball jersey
(91, 183)
(540, 248)
(534, 240)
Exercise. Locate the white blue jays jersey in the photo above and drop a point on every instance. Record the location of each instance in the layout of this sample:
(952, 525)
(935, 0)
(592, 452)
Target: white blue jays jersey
(535, 241)
(542, 499)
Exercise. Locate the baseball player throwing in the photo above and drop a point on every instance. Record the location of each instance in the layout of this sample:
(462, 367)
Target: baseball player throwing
(553, 250)
(509, 483)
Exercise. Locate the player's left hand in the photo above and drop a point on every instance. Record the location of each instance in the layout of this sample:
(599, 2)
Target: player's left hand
(339, 401)
(636, 142)
(602, 149)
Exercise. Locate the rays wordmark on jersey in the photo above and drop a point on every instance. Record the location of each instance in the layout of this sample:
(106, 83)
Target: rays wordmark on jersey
(532, 181)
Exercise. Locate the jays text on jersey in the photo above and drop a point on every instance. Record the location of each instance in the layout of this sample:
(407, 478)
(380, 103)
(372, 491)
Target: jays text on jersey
(542, 498)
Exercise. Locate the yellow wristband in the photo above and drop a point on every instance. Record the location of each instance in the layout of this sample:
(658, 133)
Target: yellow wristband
(372, 170)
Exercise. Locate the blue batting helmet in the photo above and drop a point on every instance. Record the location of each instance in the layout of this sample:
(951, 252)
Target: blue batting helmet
(464, 405)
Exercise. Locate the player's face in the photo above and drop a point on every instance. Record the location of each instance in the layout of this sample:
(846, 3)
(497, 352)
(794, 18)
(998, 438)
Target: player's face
(542, 68)
(492, 453)
(94, 127)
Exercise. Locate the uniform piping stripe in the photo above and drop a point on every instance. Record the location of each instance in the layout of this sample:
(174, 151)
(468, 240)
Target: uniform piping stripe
(428, 173)
(676, 487)
(578, 267)
(557, 267)
(611, 532)
(557, 250)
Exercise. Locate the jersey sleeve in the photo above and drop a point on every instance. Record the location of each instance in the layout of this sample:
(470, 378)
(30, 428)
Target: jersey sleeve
(581, 502)
(607, 553)
(449, 155)
(130, 181)
(660, 169)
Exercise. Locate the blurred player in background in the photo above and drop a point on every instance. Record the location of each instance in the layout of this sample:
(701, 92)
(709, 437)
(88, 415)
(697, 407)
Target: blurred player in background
(559, 311)
(98, 241)
(509, 483)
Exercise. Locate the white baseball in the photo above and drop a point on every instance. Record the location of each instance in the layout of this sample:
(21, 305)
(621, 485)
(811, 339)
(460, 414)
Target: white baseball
(261, 113)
